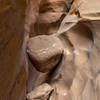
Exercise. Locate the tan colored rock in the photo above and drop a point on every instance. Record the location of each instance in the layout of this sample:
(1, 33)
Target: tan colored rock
(61, 91)
(50, 15)
(40, 93)
(88, 9)
(32, 11)
(51, 10)
(78, 85)
(82, 39)
(45, 52)
(35, 78)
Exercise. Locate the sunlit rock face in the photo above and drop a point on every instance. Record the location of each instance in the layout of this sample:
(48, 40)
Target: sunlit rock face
(76, 76)
(45, 52)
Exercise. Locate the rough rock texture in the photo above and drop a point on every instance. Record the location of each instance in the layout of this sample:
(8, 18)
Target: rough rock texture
(35, 78)
(77, 76)
(48, 15)
(12, 57)
(45, 52)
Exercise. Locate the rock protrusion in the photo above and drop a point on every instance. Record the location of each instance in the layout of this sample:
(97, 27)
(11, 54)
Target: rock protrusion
(45, 52)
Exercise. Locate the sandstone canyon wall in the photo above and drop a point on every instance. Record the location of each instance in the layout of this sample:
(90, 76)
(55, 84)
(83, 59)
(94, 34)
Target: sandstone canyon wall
(12, 53)
(49, 49)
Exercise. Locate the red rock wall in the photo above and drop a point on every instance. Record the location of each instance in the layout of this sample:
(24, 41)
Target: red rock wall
(12, 68)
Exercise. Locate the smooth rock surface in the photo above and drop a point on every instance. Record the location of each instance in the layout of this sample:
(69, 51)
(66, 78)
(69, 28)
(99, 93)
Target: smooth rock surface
(12, 52)
(40, 93)
(45, 52)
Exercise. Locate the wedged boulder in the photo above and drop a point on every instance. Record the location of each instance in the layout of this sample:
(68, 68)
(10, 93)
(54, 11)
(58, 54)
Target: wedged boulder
(45, 52)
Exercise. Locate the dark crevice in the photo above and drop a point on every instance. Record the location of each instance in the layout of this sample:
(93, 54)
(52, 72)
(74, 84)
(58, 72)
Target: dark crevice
(51, 73)
(69, 4)
(50, 95)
